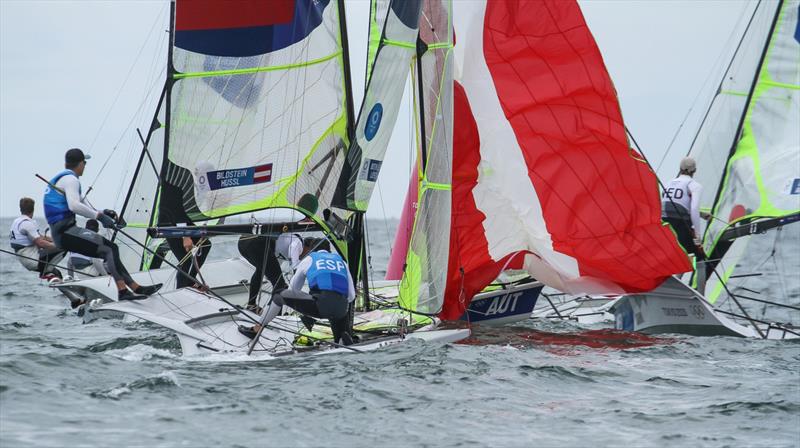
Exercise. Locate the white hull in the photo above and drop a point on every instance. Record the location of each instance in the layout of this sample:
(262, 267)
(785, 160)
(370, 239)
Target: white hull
(232, 275)
(675, 307)
(204, 325)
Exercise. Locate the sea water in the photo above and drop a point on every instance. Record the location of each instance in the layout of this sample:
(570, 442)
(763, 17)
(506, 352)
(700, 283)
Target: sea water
(110, 383)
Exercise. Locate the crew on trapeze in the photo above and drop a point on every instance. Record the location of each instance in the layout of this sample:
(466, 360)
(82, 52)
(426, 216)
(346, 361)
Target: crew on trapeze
(331, 287)
(681, 208)
(35, 251)
(62, 201)
(265, 254)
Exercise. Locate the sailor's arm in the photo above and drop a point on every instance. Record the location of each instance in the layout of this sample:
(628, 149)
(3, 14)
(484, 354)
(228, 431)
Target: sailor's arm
(351, 290)
(697, 190)
(33, 234)
(70, 185)
(299, 277)
(295, 249)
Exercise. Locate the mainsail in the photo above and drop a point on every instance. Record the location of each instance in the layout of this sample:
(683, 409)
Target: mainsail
(258, 108)
(761, 154)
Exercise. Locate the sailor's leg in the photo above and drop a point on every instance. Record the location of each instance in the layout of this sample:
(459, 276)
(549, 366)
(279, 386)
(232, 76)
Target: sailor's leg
(184, 261)
(252, 249)
(273, 309)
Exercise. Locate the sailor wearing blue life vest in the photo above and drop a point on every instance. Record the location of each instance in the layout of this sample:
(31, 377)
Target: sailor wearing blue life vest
(331, 288)
(62, 201)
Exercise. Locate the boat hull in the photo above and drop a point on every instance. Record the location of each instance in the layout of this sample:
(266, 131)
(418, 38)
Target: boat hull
(504, 306)
(675, 307)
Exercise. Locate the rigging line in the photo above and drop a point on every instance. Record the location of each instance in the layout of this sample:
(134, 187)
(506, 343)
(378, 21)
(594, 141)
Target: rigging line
(703, 87)
(385, 221)
(725, 73)
(127, 77)
(116, 145)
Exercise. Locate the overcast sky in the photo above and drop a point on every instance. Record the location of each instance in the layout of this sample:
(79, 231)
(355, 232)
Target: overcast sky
(86, 73)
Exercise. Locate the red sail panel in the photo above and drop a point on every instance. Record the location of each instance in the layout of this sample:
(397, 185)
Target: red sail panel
(599, 198)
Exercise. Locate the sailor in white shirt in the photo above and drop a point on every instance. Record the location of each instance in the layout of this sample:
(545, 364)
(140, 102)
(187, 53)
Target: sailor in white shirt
(681, 207)
(36, 251)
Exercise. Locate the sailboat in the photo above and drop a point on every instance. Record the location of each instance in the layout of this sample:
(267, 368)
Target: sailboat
(513, 157)
(748, 154)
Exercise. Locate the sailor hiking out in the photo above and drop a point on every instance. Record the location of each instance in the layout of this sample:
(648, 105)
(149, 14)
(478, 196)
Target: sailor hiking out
(62, 201)
(681, 208)
(331, 288)
(36, 252)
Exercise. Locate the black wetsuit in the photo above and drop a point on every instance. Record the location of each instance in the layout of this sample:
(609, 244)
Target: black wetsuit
(72, 238)
(260, 252)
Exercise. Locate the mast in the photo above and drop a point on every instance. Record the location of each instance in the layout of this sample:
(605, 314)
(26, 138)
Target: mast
(422, 47)
(168, 93)
(356, 250)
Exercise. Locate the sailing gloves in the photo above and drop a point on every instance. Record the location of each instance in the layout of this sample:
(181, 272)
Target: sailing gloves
(108, 218)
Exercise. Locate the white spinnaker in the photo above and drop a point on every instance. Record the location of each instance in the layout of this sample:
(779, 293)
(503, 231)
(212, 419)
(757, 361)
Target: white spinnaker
(289, 115)
(712, 144)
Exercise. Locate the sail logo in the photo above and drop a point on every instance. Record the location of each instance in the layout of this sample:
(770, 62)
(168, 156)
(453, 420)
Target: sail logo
(373, 121)
(370, 170)
(239, 177)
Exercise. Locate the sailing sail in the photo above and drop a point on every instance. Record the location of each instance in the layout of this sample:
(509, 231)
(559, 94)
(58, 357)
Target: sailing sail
(141, 203)
(258, 108)
(424, 278)
(545, 178)
(761, 177)
(381, 103)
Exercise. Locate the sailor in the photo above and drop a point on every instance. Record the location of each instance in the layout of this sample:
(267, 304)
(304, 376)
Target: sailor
(172, 213)
(266, 253)
(681, 207)
(62, 200)
(87, 265)
(36, 252)
(331, 288)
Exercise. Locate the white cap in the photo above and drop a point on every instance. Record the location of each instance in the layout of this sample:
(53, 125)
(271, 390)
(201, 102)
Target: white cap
(688, 164)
